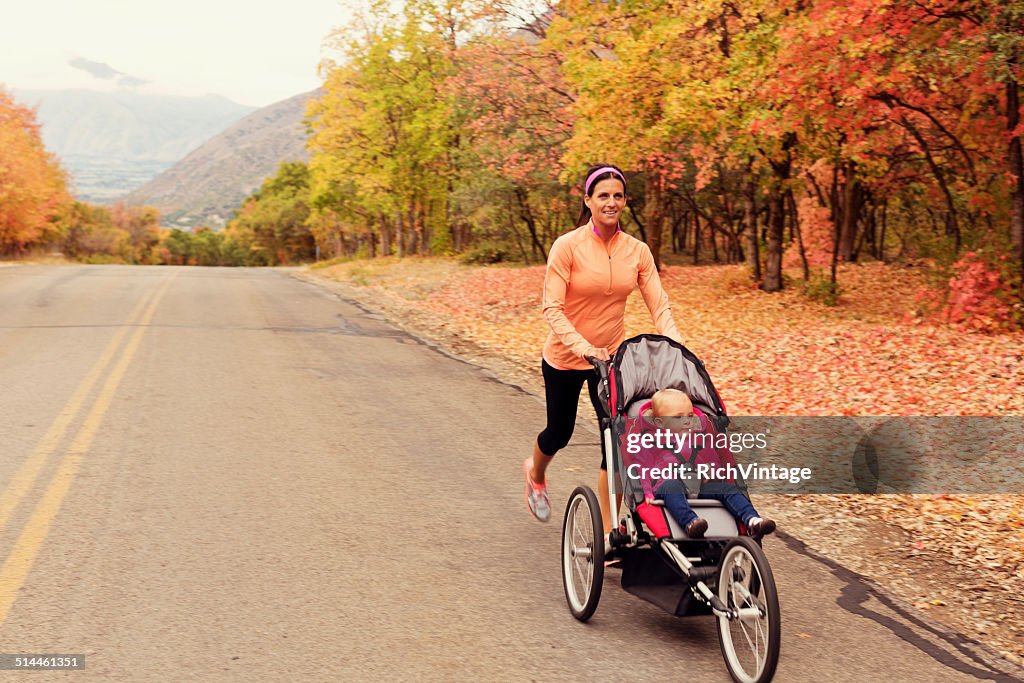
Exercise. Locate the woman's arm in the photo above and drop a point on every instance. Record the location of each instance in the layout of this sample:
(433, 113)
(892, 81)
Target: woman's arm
(655, 296)
(556, 283)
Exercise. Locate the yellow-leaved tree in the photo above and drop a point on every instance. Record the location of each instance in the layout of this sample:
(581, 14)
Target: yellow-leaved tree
(33, 190)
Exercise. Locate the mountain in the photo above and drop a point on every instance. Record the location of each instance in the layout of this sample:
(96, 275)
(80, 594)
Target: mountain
(113, 141)
(205, 187)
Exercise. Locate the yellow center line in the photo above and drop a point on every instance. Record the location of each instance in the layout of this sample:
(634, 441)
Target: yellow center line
(24, 479)
(19, 562)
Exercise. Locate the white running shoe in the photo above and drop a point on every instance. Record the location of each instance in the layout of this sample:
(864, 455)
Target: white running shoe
(536, 495)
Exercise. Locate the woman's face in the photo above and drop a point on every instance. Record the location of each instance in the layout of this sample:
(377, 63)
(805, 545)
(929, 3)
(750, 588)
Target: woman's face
(606, 201)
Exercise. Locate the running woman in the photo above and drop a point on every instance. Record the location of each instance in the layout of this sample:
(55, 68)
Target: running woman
(591, 272)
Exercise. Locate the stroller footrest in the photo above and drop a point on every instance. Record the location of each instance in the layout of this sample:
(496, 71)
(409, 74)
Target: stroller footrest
(720, 522)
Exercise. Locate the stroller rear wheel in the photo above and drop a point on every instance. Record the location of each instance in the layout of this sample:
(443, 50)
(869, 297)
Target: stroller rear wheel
(582, 553)
(750, 642)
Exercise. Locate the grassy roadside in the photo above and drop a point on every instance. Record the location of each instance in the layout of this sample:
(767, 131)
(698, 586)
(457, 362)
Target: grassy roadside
(782, 354)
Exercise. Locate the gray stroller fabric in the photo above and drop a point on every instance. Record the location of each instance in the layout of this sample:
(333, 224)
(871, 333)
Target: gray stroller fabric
(650, 362)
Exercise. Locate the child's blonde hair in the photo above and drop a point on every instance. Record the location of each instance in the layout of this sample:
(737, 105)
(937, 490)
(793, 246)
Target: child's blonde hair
(669, 401)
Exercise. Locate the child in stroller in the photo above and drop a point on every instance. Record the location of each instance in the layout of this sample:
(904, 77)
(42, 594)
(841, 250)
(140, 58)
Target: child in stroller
(725, 574)
(672, 412)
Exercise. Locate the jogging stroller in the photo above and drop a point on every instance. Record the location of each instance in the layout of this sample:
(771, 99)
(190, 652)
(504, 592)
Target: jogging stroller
(724, 574)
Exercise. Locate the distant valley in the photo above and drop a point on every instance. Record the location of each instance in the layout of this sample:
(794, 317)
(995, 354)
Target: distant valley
(112, 142)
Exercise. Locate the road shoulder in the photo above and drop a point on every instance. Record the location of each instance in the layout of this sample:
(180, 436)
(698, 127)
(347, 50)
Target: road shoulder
(969, 616)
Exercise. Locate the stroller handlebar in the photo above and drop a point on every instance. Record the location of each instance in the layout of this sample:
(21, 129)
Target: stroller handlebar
(601, 367)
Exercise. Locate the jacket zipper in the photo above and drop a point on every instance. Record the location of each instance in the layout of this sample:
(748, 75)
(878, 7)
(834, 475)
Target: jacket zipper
(608, 247)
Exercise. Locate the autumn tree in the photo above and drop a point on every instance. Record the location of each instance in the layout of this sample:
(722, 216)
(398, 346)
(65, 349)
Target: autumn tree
(616, 62)
(382, 129)
(90, 234)
(272, 221)
(33, 193)
(800, 132)
(912, 103)
(142, 226)
(518, 118)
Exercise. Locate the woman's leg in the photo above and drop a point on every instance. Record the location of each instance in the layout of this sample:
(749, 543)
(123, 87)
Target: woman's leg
(562, 393)
(561, 396)
(540, 463)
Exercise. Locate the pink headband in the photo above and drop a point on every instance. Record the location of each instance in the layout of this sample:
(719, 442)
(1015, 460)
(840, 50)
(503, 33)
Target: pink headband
(606, 169)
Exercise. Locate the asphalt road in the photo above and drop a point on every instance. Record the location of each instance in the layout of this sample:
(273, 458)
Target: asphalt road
(234, 475)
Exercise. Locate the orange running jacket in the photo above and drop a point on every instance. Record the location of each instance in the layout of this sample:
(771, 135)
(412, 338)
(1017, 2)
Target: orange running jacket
(586, 286)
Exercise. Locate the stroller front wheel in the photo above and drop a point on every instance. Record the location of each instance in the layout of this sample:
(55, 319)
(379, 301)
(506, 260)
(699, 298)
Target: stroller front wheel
(750, 641)
(582, 553)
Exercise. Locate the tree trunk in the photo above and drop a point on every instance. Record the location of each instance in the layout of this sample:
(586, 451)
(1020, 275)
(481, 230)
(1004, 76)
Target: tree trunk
(867, 235)
(515, 233)
(531, 224)
(1016, 169)
(426, 234)
(414, 229)
(656, 214)
(399, 235)
(676, 217)
(791, 201)
(871, 230)
(677, 232)
(773, 253)
(385, 235)
(714, 242)
(639, 225)
(696, 238)
(881, 235)
(750, 226)
(777, 217)
(853, 199)
(835, 255)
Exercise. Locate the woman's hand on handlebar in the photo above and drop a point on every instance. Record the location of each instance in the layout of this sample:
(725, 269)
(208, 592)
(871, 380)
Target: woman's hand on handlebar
(597, 353)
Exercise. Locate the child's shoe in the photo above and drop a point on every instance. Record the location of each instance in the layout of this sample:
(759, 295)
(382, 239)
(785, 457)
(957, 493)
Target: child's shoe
(696, 528)
(760, 526)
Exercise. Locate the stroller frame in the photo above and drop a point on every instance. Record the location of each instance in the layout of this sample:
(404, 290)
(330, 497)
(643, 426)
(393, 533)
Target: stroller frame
(725, 575)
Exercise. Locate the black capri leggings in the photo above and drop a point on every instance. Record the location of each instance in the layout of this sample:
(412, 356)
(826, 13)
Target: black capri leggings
(562, 395)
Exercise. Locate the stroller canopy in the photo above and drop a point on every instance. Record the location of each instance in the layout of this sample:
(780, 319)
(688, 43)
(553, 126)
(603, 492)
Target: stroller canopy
(649, 362)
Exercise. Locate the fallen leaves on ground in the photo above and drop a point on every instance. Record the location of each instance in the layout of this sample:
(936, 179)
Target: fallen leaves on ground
(783, 354)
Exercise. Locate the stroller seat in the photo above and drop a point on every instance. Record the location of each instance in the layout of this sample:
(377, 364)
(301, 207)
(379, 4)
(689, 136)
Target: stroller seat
(720, 521)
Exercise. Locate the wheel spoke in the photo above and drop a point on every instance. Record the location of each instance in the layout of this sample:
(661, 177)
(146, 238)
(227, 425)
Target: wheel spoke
(580, 574)
(581, 564)
(743, 628)
(748, 639)
(578, 528)
(580, 539)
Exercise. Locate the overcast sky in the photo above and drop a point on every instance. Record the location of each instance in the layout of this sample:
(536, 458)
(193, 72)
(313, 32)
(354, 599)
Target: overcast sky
(251, 52)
